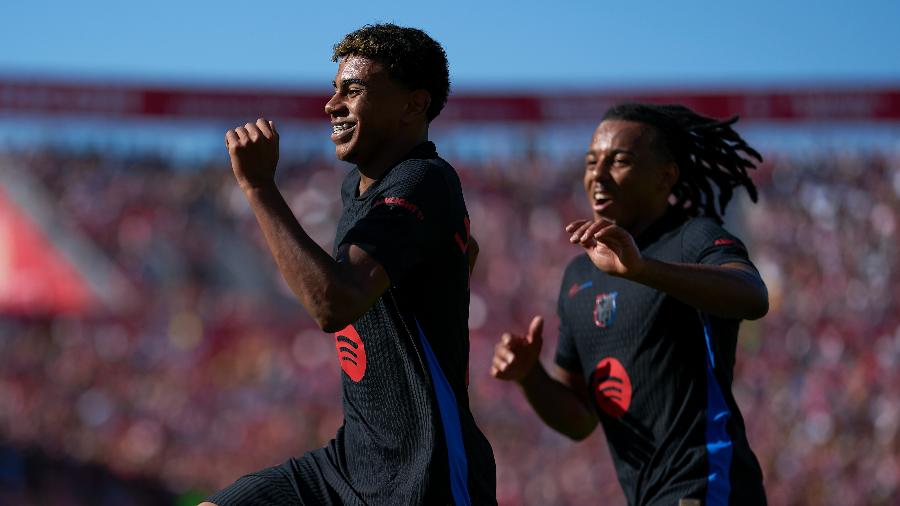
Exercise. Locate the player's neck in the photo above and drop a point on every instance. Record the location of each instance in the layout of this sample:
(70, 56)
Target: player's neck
(389, 156)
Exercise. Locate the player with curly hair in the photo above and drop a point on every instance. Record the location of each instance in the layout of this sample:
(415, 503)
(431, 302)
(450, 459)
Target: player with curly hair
(394, 291)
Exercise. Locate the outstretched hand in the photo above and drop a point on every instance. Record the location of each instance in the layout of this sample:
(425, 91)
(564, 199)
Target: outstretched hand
(253, 149)
(515, 356)
(611, 248)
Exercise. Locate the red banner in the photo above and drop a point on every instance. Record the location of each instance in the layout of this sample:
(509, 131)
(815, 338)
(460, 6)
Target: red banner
(35, 279)
(34, 97)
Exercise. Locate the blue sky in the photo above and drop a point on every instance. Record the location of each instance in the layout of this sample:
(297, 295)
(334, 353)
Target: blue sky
(545, 45)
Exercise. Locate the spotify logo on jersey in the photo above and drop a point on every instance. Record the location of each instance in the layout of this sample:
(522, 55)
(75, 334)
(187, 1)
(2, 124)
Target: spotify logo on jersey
(612, 387)
(351, 353)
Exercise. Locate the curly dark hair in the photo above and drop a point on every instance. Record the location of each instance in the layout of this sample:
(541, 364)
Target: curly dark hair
(410, 56)
(707, 152)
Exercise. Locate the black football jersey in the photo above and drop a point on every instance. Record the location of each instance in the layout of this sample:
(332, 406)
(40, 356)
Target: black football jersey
(659, 373)
(408, 435)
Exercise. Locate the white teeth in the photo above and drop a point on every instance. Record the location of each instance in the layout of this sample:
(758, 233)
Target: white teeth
(600, 196)
(340, 127)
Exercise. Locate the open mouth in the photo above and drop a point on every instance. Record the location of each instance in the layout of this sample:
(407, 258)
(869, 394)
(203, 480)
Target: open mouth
(601, 200)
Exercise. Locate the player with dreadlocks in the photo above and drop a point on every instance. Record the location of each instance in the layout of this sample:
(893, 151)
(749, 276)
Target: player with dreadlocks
(649, 316)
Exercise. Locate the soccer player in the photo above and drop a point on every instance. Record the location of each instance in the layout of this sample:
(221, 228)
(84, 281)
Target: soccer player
(650, 313)
(395, 292)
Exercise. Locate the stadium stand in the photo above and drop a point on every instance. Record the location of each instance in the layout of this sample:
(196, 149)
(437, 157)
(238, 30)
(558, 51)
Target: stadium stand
(213, 334)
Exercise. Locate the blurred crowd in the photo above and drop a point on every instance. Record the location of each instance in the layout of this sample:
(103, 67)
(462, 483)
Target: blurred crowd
(214, 371)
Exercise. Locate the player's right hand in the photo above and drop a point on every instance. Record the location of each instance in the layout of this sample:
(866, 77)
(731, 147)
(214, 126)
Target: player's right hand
(515, 356)
(253, 149)
(610, 247)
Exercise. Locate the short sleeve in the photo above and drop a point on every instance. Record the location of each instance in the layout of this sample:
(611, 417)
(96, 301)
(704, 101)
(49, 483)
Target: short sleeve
(398, 227)
(566, 351)
(706, 242)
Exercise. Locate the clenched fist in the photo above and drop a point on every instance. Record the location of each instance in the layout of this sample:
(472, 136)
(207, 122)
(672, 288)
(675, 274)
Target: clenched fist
(515, 356)
(253, 149)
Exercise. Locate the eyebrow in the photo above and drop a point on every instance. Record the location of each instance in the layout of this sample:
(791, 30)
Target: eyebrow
(348, 82)
(612, 153)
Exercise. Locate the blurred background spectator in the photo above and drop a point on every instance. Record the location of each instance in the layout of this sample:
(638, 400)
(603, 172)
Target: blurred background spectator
(212, 370)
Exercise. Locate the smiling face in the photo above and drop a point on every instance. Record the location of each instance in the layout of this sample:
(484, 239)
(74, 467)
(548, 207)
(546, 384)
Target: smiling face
(367, 111)
(627, 177)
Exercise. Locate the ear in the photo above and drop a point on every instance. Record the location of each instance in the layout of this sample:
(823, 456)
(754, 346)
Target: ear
(669, 175)
(417, 105)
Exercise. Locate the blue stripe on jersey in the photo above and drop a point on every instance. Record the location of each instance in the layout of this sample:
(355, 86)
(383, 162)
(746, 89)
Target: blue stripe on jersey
(456, 450)
(718, 442)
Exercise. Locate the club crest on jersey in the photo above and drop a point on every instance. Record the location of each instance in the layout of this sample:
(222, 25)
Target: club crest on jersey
(605, 309)
(351, 352)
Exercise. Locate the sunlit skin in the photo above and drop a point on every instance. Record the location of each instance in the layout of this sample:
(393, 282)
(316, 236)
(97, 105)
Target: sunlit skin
(626, 178)
(375, 119)
(628, 181)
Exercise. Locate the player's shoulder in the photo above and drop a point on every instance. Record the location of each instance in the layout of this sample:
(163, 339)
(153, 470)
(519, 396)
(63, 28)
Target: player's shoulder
(425, 175)
(703, 227)
(423, 168)
(702, 222)
(705, 238)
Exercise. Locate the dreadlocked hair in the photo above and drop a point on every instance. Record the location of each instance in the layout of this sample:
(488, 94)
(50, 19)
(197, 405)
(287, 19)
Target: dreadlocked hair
(409, 55)
(708, 152)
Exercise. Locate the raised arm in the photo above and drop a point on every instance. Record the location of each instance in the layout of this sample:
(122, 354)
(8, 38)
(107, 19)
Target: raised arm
(730, 290)
(335, 292)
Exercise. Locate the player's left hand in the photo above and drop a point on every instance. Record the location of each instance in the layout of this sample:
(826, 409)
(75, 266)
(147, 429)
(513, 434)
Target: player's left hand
(611, 248)
(253, 149)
